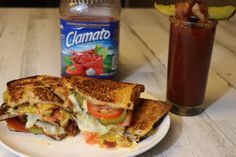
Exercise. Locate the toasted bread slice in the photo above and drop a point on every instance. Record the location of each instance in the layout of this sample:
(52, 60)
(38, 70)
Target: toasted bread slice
(33, 90)
(35, 81)
(106, 92)
(19, 95)
(145, 115)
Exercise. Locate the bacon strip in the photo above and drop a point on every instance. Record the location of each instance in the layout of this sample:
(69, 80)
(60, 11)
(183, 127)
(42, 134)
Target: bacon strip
(109, 144)
(72, 128)
(184, 10)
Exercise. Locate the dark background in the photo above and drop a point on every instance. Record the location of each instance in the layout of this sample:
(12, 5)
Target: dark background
(125, 3)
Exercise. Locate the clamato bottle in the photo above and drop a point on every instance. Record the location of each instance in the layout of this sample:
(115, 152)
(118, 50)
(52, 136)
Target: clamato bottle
(90, 37)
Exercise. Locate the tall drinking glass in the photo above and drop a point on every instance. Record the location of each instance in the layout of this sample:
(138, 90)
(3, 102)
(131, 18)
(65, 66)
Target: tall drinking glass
(190, 49)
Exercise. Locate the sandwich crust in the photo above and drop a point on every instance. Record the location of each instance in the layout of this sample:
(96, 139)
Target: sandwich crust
(33, 90)
(35, 81)
(146, 114)
(55, 90)
(107, 92)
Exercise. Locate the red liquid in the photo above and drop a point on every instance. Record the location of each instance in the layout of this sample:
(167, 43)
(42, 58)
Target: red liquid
(190, 51)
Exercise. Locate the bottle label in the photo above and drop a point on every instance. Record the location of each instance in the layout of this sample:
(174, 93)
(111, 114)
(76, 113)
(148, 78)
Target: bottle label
(89, 48)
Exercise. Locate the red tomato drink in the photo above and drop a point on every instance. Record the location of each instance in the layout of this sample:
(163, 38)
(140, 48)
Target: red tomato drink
(190, 49)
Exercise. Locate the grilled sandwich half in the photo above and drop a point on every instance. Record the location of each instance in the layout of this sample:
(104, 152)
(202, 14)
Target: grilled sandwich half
(30, 105)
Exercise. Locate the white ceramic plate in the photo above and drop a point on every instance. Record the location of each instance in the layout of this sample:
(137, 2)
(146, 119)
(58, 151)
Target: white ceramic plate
(29, 145)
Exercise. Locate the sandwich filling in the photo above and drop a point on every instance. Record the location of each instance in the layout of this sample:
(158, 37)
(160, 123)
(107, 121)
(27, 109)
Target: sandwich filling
(101, 125)
(39, 118)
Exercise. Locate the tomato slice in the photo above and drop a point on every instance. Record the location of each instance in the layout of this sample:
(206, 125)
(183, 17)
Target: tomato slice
(103, 112)
(117, 120)
(15, 124)
(90, 137)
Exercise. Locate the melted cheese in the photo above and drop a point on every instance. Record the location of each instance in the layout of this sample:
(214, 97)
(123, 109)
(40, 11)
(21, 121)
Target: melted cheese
(76, 105)
(50, 129)
(31, 120)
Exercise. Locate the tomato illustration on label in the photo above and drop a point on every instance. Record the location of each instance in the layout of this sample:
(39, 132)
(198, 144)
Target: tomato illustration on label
(85, 63)
(75, 69)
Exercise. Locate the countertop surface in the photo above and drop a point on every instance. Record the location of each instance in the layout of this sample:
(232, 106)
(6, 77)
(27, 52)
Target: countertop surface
(30, 45)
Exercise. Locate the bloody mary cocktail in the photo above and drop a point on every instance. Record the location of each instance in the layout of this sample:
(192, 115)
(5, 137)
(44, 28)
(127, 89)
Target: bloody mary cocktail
(190, 49)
